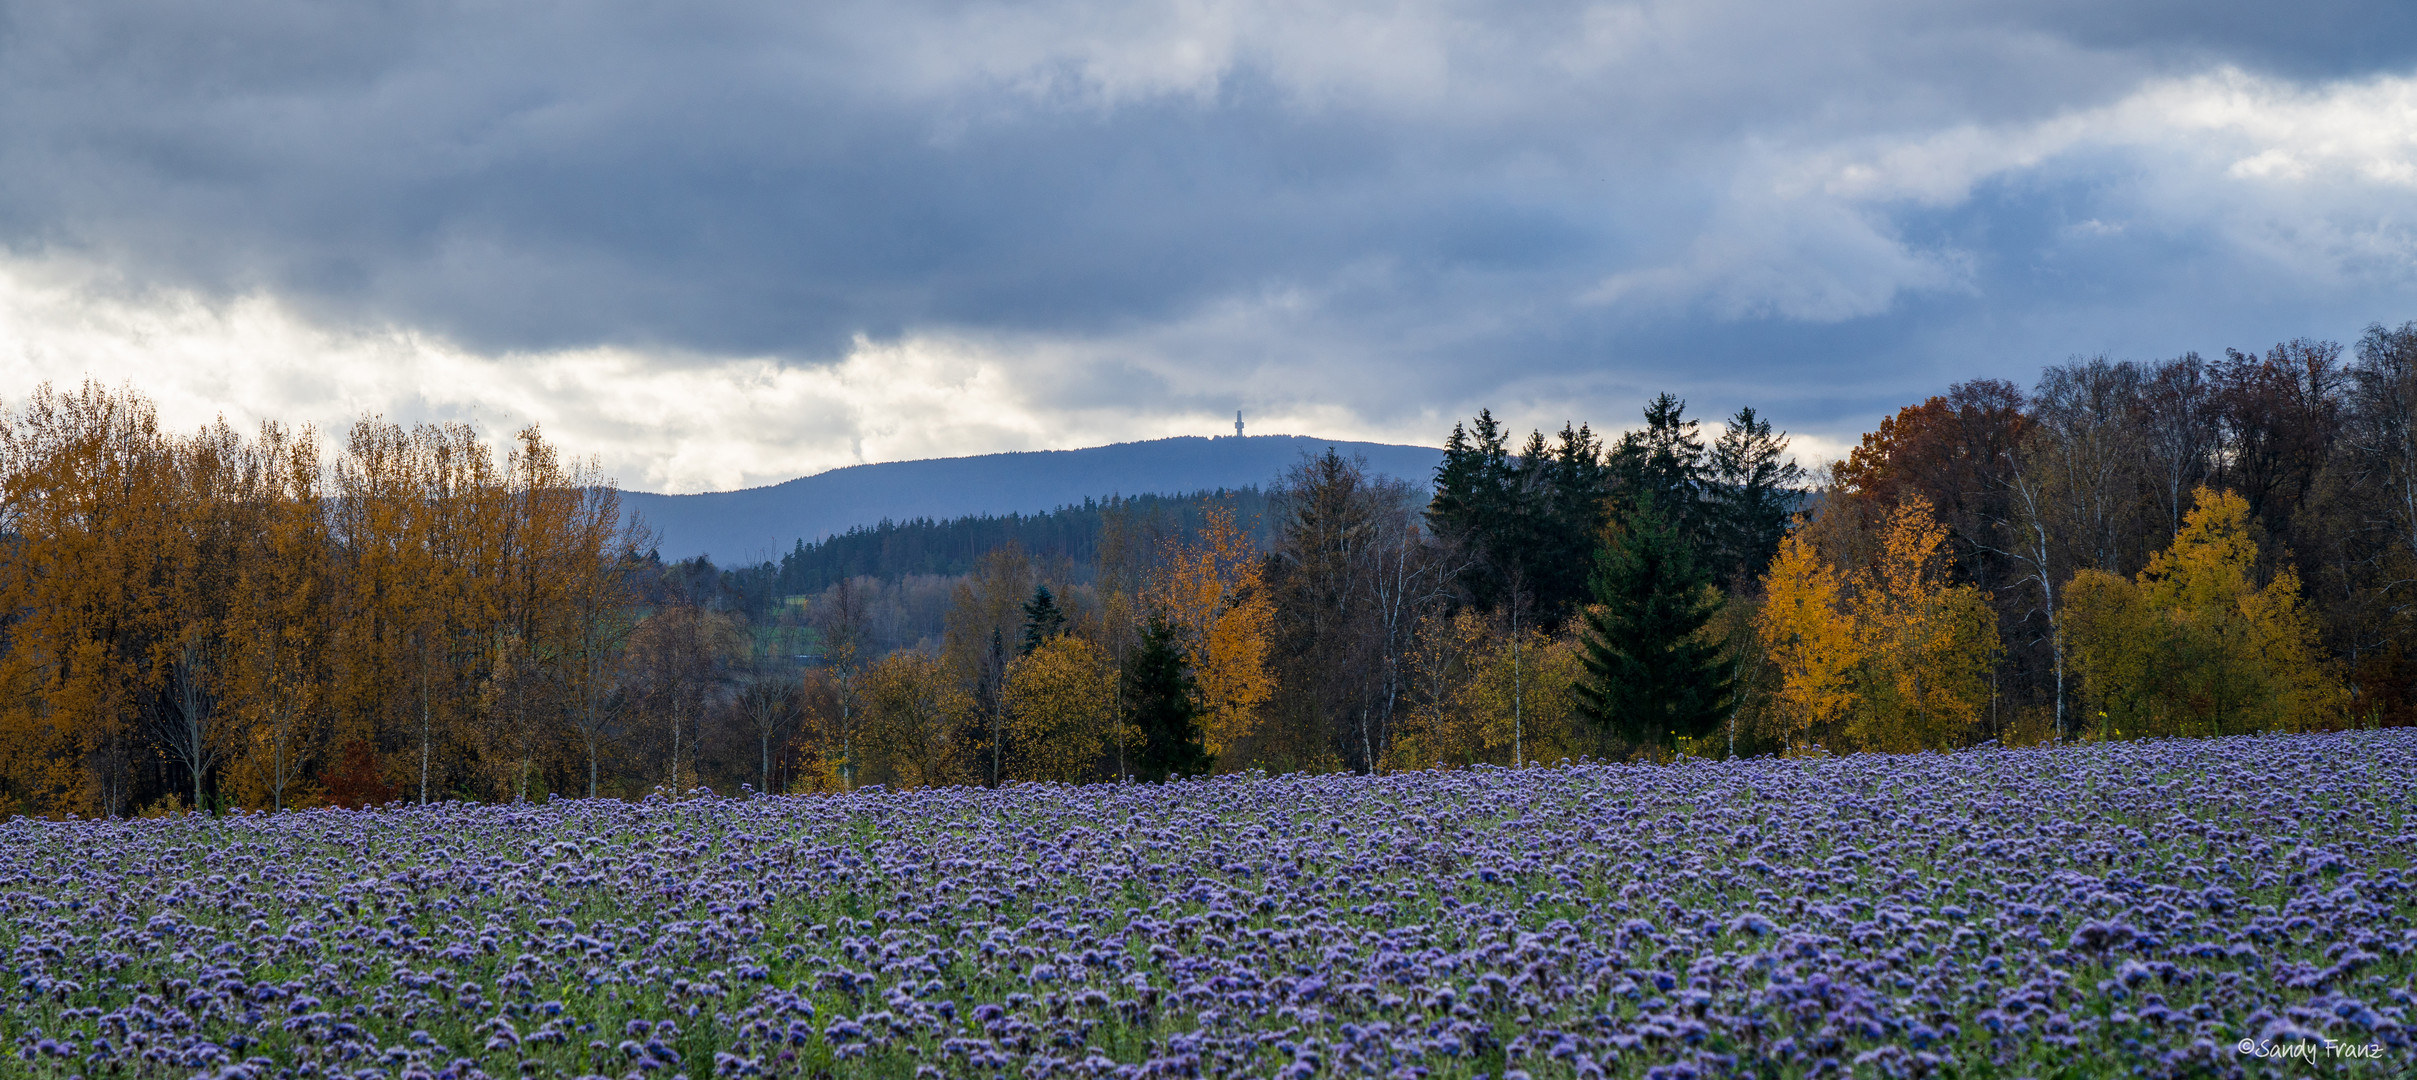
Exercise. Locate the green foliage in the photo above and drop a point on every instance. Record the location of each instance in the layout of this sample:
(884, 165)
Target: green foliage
(1161, 703)
(1664, 462)
(2194, 646)
(1752, 489)
(1531, 521)
(1653, 670)
(894, 549)
(1528, 519)
(1043, 620)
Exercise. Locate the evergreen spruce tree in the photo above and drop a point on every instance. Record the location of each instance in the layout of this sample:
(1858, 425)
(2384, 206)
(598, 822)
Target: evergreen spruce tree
(1664, 462)
(1753, 490)
(1526, 521)
(1161, 702)
(1042, 620)
(1651, 670)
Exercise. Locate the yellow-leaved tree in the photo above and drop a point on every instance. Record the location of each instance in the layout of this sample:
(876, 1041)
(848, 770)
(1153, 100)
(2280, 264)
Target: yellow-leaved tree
(1928, 644)
(1811, 641)
(1061, 709)
(2194, 646)
(1521, 698)
(1436, 728)
(913, 713)
(1895, 657)
(1211, 591)
(277, 630)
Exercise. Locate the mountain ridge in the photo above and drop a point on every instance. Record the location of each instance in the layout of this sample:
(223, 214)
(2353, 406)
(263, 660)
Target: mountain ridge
(756, 524)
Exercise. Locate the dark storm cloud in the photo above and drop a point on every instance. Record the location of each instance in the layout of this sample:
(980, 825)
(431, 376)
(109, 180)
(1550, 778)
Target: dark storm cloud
(1476, 201)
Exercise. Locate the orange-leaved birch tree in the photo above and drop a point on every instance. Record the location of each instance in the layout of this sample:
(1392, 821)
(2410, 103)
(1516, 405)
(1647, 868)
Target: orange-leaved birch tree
(87, 499)
(1211, 590)
(546, 550)
(280, 617)
(1928, 644)
(212, 516)
(381, 576)
(463, 520)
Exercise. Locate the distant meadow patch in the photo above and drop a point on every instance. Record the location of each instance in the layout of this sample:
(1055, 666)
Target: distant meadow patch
(2223, 907)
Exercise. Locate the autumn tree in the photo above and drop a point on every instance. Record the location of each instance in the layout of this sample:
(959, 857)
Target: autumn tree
(1811, 638)
(1894, 657)
(914, 715)
(2277, 417)
(840, 627)
(2072, 496)
(278, 624)
(1928, 643)
(769, 698)
(984, 621)
(1521, 698)
(1211, 595)
(1344, 577)
(598, 615)
(2178, 435)
(2194, 646)
(89, 499)
(198, 558)
(1060, 702)
(680, 656)
(1437, 726)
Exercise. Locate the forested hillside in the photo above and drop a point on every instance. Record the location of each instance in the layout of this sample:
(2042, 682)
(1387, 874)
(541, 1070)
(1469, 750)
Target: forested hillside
(2120, 550)
(761, 524)
(894, 549)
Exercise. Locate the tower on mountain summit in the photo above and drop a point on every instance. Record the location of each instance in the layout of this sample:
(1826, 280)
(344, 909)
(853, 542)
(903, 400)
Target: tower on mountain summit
(1237, 423)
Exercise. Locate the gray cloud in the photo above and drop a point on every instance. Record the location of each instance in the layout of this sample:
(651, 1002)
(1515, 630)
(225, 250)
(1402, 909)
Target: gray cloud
(1381, 215)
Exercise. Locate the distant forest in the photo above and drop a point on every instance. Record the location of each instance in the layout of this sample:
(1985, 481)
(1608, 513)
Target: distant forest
(2120, 550)
(894, 549)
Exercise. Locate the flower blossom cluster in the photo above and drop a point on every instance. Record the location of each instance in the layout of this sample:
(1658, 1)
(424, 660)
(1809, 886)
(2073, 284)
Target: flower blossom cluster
(2137, 909)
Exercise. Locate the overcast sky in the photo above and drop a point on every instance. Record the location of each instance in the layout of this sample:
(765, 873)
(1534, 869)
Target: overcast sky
(716, 244)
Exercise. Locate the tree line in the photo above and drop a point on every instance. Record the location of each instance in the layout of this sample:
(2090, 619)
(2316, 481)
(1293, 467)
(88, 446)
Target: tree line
(889, 550)
(227, 619)
(2122, 550)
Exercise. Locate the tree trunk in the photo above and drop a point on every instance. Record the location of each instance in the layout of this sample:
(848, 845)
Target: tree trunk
(424, 735)
(1518, 695)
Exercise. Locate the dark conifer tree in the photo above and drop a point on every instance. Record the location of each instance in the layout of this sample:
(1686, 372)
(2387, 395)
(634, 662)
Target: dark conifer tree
(1468, 482)
(1570, 511)
(1664, 461)
(1651, 670)
(1527, 521)
(1160, 701)
(1042, 620)
(1753, 490)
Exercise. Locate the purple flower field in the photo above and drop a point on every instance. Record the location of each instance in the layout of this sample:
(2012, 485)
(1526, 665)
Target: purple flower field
(2126, 909)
